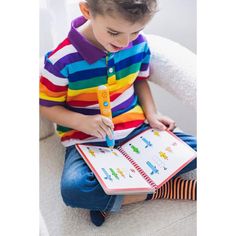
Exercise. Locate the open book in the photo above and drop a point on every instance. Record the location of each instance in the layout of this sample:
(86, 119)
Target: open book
(142, 164)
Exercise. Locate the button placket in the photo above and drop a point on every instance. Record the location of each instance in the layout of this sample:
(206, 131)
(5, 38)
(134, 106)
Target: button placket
(111, 77)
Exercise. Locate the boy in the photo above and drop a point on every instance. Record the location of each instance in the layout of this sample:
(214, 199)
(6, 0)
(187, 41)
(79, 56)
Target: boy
(104, 46)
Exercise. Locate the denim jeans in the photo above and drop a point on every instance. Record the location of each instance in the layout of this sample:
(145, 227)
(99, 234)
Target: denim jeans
(80, 188)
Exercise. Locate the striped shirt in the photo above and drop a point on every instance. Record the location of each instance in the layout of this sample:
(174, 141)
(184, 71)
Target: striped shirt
(73, 71)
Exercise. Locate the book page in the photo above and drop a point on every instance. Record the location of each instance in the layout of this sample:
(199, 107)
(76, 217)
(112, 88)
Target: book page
(159, 153)
(114, 172)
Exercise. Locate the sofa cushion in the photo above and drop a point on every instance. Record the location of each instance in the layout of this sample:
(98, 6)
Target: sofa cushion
(46, 128)
(173, 67)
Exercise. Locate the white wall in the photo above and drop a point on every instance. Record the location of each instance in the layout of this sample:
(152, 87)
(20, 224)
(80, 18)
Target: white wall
(176, 20)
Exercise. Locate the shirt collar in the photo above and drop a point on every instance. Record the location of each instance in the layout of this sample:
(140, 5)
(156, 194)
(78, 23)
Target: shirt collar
(86, 49)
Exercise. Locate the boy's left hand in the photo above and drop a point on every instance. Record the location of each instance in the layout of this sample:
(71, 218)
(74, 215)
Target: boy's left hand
(160, 122)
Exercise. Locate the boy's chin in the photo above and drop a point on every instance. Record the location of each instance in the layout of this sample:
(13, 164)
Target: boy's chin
(113, 48)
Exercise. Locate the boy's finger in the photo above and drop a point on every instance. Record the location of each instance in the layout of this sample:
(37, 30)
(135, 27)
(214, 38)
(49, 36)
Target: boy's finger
(160, 126)
(171, 126)
(101, 132)
(107, 122)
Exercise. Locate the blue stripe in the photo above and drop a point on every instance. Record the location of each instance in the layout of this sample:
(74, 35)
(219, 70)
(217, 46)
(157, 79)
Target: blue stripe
(67, 59)
(123, 54)
(129, 61)
(84, 65)
(87, 74)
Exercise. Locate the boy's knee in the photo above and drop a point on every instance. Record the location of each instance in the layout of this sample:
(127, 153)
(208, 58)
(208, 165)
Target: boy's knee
(76, 188)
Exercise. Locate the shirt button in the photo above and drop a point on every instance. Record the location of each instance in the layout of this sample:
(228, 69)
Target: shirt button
(110, 70)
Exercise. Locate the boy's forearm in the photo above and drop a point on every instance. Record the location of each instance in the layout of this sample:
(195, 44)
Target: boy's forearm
(62, 116)
(145, 97)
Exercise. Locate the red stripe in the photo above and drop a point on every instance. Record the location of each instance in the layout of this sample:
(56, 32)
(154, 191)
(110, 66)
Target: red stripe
(51, 86)
(128, 124)
(61, 45)
(141, 78)
(76, 135)
(114, 96)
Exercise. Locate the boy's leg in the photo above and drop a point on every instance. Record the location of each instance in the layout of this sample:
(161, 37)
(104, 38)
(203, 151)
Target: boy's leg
(80, 188)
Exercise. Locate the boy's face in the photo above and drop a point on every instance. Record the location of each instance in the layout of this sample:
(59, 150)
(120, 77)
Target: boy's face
(115, 33)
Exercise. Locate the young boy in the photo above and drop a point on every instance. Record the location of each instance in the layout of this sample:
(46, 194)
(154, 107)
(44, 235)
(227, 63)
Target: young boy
(104, 46)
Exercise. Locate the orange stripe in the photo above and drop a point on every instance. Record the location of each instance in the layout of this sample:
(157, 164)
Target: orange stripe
(182, 189)
(194, 188)
(93, 96)
(174, 185)
(168, 192)
(171, 192)
(49, 93)
(128, 117)
(178, 188)
(186, 190)
(190, 190)
(154, 194)
(165, 193)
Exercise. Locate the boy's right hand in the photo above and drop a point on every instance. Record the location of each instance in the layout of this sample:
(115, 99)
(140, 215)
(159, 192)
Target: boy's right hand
(96, 125)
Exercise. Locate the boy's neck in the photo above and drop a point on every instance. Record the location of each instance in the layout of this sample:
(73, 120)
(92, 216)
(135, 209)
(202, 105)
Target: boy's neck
(87, 32)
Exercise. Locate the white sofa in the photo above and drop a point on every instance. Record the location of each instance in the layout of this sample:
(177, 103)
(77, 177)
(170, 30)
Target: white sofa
(173, 68)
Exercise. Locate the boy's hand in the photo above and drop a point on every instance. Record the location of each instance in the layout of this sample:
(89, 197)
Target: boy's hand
(96, 125)
(160, 122)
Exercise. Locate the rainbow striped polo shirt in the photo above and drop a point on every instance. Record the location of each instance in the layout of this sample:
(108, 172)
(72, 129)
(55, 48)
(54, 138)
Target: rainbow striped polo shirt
(73, 71)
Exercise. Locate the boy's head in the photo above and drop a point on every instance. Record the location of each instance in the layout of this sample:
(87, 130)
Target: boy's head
(131, 10)
(115, 23)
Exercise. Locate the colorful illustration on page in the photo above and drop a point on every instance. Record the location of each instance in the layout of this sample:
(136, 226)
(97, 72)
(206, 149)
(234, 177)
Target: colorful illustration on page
(91, 152)
(163, 155)
(147, 142)
(107, 176)
(153, 168)
(135, 149)
(114, 173)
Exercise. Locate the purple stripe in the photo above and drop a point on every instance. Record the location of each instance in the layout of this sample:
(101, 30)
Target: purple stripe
(84, 111)
(52, 69)
(144, 67)
(47, 103)
(124, 104)
(139, 39)
(68, 59)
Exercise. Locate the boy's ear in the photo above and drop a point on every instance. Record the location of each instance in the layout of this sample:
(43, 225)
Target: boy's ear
(84, 8)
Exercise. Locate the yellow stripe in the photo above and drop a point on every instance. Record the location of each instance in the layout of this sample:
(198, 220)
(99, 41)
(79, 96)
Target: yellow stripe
(120, 83)
(57, 99)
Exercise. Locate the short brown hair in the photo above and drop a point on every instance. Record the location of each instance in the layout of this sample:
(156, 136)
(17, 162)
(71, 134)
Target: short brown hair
(132, 10)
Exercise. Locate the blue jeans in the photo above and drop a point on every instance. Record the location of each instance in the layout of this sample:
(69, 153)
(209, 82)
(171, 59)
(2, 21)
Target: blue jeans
(80, 188)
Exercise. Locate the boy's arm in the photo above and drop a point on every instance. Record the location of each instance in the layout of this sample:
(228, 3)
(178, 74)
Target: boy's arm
(94, 125)
(147, 103)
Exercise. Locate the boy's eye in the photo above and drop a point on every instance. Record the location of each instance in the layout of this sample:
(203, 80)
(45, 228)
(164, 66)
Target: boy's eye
(112, 34)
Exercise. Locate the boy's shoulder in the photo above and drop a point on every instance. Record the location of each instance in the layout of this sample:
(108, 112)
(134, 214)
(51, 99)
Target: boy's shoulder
(141, 40)
(63, 50)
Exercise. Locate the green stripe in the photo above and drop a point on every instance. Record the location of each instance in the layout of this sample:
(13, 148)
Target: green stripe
(63, 129)
(88, 83)
(127, 71)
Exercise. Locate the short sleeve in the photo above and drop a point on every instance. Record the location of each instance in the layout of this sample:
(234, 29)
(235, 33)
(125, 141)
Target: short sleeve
(144, 72)
(53, 85)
